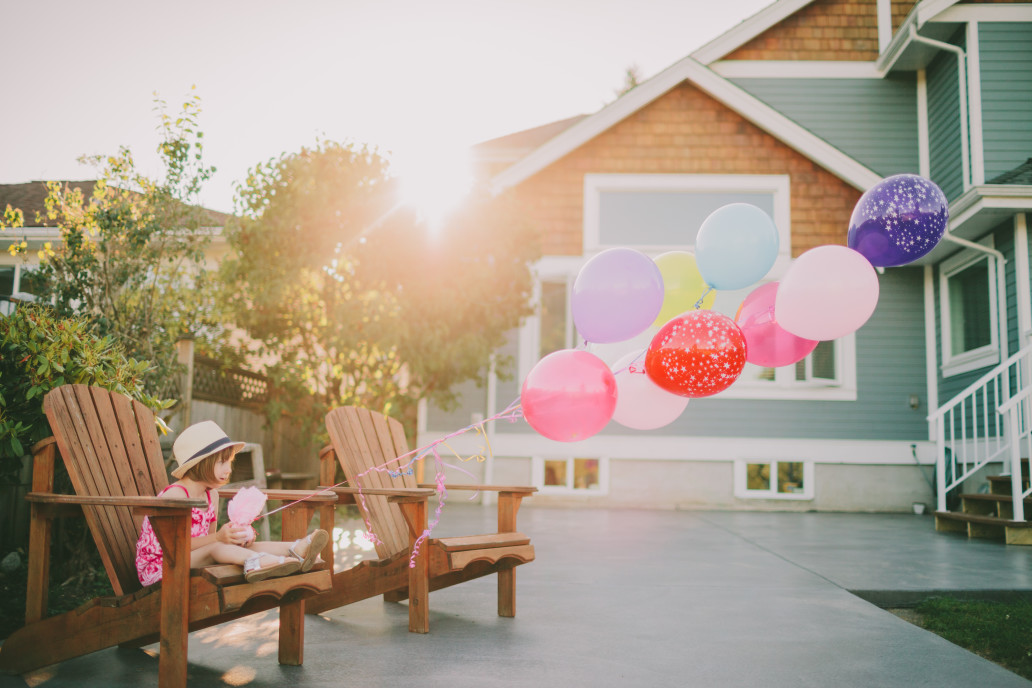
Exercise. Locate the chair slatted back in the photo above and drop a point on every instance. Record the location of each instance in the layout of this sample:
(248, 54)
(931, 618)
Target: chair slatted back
(110, 447)
(363, 440)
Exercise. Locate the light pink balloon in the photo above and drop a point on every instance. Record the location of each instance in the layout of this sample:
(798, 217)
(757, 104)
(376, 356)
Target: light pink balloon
(569, 395)
(826, 293)
(767, 343)
(641, 404)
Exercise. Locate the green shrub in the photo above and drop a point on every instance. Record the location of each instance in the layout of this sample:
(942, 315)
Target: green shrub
(38, 352)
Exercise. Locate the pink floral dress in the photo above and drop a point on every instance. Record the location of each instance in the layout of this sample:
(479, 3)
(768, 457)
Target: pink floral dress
(148, 551)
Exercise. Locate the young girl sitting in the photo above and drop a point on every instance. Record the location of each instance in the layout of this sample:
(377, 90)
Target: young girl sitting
(205, 457)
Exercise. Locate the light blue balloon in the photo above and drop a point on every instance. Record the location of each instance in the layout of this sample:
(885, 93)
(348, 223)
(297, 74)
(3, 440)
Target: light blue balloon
(736, 246)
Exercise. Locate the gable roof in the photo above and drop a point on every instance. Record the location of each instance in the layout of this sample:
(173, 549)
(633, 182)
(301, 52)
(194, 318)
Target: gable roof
(689, 69)
(750, 28)
(514, 146)
(1022, 174)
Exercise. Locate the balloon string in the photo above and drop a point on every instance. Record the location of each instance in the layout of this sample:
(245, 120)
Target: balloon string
(698, 304)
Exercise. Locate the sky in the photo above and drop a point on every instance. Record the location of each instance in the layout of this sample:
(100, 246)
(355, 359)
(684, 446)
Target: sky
(419, 80)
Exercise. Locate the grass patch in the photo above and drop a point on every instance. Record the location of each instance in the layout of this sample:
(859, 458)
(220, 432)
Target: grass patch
(1000, 632)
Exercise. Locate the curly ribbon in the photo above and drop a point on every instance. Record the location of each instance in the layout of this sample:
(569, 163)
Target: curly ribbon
(512, 413)
(698, 304)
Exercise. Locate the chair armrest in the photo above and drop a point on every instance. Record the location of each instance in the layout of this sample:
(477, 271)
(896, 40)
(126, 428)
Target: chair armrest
(284, 495)
(400, 492)
(133, 502)
(522, 489)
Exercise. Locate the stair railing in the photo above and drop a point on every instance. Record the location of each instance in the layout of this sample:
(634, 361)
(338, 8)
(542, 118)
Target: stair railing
(971, 427)
(1018, 423)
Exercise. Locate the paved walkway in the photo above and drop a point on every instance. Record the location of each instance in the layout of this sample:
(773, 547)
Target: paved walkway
(636, 598)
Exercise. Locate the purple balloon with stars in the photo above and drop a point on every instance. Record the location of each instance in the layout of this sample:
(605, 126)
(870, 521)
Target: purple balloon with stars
(898, 220)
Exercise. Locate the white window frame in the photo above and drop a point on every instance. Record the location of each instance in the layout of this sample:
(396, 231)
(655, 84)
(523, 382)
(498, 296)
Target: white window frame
(778, 185)
(741, 480)
(983, 356)
(537, 476)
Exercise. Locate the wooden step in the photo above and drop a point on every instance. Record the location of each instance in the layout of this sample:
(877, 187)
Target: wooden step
(1001, 484)
(988, 527)
(1000, 505)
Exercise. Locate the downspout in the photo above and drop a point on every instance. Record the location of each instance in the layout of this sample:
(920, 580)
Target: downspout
(962, 98)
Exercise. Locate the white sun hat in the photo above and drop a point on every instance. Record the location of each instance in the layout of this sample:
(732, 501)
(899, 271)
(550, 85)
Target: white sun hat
(198, 442)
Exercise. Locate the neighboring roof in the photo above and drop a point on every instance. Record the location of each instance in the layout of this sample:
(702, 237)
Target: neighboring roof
(688, 69)
(528, 139)
(29, 197)
(1022, 175)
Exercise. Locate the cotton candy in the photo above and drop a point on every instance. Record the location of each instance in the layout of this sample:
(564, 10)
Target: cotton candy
(246, 506)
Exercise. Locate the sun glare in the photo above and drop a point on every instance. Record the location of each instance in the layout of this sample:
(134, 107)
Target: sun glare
(433, 183)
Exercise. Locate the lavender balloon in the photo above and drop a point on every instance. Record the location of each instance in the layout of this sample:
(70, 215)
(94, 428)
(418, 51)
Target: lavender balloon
(617, 294)
(898, 220)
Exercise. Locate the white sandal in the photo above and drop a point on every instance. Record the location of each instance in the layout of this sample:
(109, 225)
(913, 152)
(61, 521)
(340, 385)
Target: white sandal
(316, 540)
(254, 571)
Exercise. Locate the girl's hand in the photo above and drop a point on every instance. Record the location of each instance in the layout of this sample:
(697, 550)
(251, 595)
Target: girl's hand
(232, 534)
(251, 537)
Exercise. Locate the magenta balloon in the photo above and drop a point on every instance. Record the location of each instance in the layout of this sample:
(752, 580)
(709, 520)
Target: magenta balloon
(826, 293)
(767, 343)
(617, 294)
(641, 404)
(569, 395)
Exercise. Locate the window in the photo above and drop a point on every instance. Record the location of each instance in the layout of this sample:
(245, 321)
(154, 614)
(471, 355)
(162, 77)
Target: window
(569, 475)
(17, 279)
(967, 293)
(556, 323)
(779, 479)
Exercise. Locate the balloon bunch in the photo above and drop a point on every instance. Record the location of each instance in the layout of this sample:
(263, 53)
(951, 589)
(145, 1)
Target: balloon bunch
(826, 293)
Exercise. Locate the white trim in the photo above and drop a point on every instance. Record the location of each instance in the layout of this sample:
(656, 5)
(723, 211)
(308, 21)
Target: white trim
(1022, 280)
(1016, 12)
(749, 29)
(701, 448)
(923, 148)
(778, 185)
(741, 480)
(974, 86)
(931, 10)
(884, 24)
(931, 348)
(987, 196)
(796, 69)
(749, 107)
(786, 388)
(984, 356)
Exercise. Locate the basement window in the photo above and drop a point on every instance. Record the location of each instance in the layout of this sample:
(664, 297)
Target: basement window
(774, 479)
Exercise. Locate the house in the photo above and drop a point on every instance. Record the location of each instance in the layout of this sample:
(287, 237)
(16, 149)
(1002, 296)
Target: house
(797, 110)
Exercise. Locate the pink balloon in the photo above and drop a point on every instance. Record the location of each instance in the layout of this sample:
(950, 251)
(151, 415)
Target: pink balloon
(768, 344)
(641, 404)
(569, 395)
(826, 293)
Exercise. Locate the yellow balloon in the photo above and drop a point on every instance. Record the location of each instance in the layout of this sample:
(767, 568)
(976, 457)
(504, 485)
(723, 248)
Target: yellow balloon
(682, 285)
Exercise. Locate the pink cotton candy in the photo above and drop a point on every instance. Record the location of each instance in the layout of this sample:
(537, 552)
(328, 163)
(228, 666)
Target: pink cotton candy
(246, 506)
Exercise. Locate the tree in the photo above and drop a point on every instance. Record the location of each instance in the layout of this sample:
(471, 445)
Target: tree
(131, 255)
(632, 79)
(352, 300)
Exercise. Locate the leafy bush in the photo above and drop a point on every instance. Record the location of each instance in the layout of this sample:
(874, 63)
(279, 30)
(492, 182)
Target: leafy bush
(38, 352)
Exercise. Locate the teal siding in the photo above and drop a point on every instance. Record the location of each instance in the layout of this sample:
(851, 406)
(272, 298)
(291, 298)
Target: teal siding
(871, 120)
(1005, 58)
(944, 124)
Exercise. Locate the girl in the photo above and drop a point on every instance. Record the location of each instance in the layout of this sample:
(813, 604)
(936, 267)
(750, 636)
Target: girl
(205, 457)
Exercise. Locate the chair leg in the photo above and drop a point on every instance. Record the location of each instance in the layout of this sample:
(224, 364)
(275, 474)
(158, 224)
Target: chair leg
(174, 534)
(292, 614)
(419, 575)
(507, 592)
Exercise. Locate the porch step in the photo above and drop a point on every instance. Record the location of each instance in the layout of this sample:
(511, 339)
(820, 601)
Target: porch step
(999, 505)
(983, 526)
(1001, 484)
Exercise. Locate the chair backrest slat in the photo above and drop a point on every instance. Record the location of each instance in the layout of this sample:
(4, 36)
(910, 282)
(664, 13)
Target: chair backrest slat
(365, 440)
(110, 447)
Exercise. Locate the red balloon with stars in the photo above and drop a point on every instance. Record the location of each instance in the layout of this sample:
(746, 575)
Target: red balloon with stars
(696, 354)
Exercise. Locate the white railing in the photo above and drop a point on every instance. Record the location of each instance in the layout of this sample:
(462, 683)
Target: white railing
(973, 429)
(1017, 414)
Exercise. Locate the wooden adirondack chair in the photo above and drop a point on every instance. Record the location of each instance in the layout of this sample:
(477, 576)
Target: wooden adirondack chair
(109, 444)
(396, 507)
